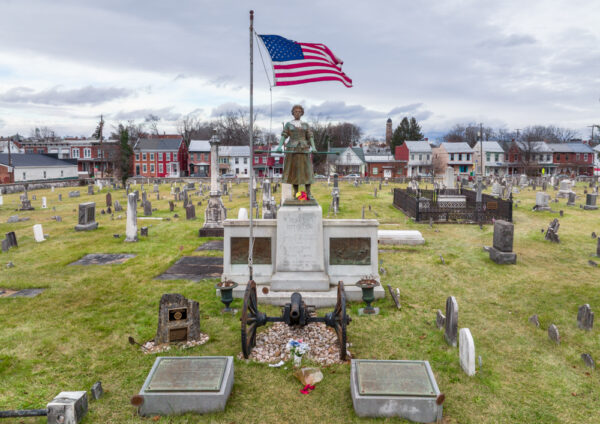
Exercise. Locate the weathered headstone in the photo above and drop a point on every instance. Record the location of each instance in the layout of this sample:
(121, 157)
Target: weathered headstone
(108, 200)
(572, 198)
(147, 208)
(542, 201)
(585, 317)
(90, 189)
(243, 213)
(59, 197)
(590, 201)
(87, 217)
(501, 252)
(553, 334)
(552, 231)
(534, 320)
(588, 361)
(155, 188)
(190, 211)
(451, 327)
(38, 233)
(74, 193)
(144, 232)
(5, 245)
(178, 319)
(12, 239)
(171, 206)
(44, 204)
(131, 228)
(466, 351)
(97, 390)
(118, 207)
(440, 320)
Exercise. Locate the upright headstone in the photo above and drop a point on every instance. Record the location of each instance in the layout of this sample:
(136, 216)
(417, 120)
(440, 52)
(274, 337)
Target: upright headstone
(466, 351)
(268, 206)
(502, 250)
(171, 206)
(542, 201)
(590, 201)
(12, 239)
(44, 204)
(449, 179)
(131, 228)
(147, 208)
(451, 327)
(178, 319)
(552, 231)
(87, 217)
(118, 207)
(108, 200)
(38, 233)
(571, 201)
(190, 211)
(59, 197)
(5, 245)
(155, 188)
(496, 189)
(585, 317)
(90, 189)
(440, 320)
(553, 334)
(215, 212)
(144, 198)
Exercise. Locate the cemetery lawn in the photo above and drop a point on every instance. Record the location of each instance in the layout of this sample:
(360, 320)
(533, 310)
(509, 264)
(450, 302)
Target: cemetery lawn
(75, 333)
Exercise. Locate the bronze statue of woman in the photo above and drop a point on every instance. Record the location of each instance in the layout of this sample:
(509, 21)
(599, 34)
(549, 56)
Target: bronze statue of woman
(297, 167)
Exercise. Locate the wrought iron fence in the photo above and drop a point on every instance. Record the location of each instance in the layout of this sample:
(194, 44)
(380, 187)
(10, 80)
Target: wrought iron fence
(426, 205)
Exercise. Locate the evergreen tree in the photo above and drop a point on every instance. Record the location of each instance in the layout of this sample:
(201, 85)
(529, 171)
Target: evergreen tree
(125, 153)
(98, 133)
(401, 133)
(415, 130)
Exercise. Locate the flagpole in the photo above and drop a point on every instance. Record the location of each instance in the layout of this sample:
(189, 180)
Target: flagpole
(251, 142)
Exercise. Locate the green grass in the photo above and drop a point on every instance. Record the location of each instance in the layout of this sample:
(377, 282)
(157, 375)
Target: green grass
(76, 332)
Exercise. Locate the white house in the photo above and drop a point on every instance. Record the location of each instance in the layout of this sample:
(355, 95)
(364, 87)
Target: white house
(234, 160)
(35, 167)
(349, 160)
(493, 158)
(597, 160)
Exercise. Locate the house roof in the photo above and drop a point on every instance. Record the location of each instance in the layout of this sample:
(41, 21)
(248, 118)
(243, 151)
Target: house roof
(570, 148)
(158, 144)
(34, 159)
(234, 151)
(199, 146)
(379, 158)
(357, 150)
(461, 147)
(490, 146)
(418, 146)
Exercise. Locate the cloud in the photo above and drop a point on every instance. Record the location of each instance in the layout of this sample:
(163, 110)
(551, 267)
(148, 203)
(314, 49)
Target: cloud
(411, 108)
(2, 123)
(511, 40)
(164, 114)
(56, 96)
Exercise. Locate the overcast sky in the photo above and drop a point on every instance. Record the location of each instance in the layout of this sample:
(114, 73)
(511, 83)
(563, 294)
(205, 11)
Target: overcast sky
(507, 64)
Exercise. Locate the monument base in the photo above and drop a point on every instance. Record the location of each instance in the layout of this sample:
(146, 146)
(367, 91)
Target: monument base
(210, 232)
(214, 216)
(590, 208)
(298, 281)
(86, 227)
(502, 258)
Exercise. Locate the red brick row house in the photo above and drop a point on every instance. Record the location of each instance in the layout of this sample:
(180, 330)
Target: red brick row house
(163, 156)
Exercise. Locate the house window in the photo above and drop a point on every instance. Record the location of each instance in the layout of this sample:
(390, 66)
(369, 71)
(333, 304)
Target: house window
(547, 158)
(151, 156)
(174, 156)
(427, 157)
(87, 153)
(24, 175)
(577, 157)
(28, 150)
(497, 157)
(420, 157)
(375, 171)
(464, 168)
(44, 174)
(585, 157)
(558, 156)
(412, 157)
(152, 168)
(566, 157)
(488, 157)
(137, 157)
(451, 156)
(237, 160)
(75, 153)
(160, 168)
(245, 161)
(255, 159)
(237, 170)
(144, 168)
(144, 157)
(62, 173)
(160, 156)
(460, 156)
(246, 171)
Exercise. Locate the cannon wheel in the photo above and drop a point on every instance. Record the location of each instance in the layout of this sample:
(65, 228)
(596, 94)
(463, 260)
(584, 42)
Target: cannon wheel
(341, 319)
(249, 314)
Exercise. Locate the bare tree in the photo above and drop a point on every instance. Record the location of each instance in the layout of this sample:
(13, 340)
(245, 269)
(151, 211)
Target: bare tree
(548, 133)
(43, 134)
(469, 133)
(152, 121)
(233, 129)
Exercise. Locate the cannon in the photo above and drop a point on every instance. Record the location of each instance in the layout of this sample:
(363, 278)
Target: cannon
(296, 312)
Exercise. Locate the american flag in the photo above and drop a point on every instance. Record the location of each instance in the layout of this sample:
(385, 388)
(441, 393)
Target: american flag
(301, 63)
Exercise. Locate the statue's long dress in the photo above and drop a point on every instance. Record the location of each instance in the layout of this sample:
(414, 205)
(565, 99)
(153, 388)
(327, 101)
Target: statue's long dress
(297, 167)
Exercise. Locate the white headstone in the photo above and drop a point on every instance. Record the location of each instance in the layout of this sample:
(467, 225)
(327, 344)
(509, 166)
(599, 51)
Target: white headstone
(286, 192)
(542, 199)
(243, 213)
(449, 179)
(466, 351)
(52, 189)
(38, 233)
(131, 227)
(1, 200)
(44, 205)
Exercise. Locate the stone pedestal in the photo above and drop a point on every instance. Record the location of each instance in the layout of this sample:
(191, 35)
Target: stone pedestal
(501, 252)
(131, 228)
(300, 263)
(87, 217)
(67, 408)
(214, 215)
(590, 201)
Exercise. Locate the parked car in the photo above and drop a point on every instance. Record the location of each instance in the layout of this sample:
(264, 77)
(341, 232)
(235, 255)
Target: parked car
(228, 176)
(320, 176)
(352, 176)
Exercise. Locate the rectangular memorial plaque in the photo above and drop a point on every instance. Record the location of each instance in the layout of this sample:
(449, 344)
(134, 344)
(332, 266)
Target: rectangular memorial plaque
(261, 254)
(350, 251)
(396, 378)
(188, 375)
(492, 205)
(178, 334)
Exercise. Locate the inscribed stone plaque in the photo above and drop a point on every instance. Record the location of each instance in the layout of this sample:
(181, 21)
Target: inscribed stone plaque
(350, 251)
(188, 375)
(396, 378)
(492, 205)
(261, 254)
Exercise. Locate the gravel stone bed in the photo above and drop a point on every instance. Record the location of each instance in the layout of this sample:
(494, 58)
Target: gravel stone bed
(150, 347)
(323, 343)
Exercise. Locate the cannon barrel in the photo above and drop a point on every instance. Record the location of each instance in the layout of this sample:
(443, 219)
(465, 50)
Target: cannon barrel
(296, 303)
(24, 413)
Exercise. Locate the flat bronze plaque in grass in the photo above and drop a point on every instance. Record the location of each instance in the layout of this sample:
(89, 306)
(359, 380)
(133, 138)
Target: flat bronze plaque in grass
(393, 378)
(350, 251)
(188, 375)
(261, 254)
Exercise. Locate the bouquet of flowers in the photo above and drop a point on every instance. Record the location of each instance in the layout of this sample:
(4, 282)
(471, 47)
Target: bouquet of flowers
(297, 349)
